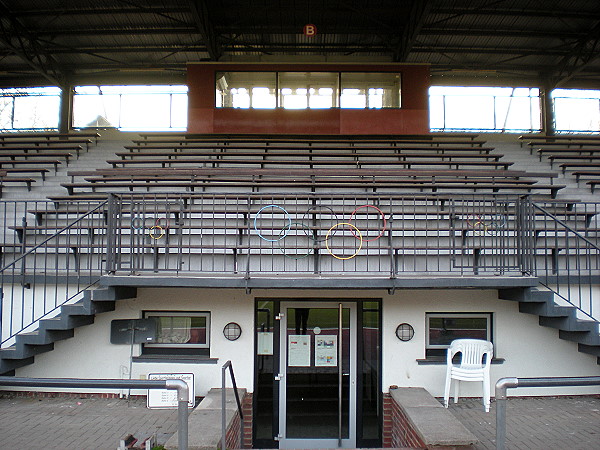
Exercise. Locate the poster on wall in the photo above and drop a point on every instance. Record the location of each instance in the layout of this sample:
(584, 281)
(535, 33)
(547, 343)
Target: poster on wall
(326, 350)
(298, 350)
(167, 398)
(265, 343)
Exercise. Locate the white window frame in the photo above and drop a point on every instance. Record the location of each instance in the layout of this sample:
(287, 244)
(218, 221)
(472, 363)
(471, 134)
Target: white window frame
(430, 346)
(149, 314)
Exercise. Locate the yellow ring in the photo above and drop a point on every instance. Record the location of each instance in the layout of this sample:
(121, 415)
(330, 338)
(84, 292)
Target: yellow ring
(327, 240)
(151, 233)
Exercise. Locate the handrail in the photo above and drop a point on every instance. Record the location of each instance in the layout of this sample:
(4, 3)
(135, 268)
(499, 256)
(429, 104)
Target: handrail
(224, 401)
(575, 273)
(505, 383)
(45, 241)
(560, 222)
(9, 272)
(179, 385)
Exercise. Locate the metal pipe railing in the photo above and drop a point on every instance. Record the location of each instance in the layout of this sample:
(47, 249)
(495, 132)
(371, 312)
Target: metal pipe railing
(511, 383)
(229, 366)
(179, 385)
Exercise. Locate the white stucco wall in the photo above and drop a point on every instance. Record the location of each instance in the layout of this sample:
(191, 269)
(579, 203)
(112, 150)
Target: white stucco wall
(529, 350)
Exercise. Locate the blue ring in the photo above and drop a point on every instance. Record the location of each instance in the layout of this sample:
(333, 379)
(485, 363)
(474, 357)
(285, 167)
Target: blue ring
(289, 225)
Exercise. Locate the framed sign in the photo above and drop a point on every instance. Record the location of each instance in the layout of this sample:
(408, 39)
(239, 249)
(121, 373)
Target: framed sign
(167, 398)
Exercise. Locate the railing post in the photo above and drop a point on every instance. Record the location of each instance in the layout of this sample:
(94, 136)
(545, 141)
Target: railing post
(182, 410)
(111, 233)
(501, 386)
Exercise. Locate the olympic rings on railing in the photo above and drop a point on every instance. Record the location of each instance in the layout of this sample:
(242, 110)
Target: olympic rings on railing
(359, 237)
(155, 231)
(151, 232)
(287, 215)
(481, 225)
(310, 216)
(383, 228)
(280, 241)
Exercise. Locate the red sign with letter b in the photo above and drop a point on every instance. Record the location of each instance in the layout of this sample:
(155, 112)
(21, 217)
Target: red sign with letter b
(310, 30)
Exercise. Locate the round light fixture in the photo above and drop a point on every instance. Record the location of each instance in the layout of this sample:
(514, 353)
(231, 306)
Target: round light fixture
(232, 331)
(405, 332)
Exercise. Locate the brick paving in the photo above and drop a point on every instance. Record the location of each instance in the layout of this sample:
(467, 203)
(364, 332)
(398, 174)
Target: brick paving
(548, 423)
(79, 423)
(532, 423)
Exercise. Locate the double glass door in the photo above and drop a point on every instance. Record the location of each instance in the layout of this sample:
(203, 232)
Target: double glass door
(317, 375)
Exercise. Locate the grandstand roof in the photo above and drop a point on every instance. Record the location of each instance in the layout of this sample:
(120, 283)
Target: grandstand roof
(530, 42)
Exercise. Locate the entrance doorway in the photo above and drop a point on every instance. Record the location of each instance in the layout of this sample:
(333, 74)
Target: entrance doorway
(317, 373)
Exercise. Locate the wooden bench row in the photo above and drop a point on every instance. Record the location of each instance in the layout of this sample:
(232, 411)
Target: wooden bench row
(316, 150)
(50, 137)
(61, 149)
(212, 162)
(494, 180)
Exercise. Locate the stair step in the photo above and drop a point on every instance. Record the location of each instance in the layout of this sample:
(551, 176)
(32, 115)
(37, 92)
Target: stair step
(9, 365)
(45, 337)
(581, 337)
(569, 324)
(546, 309)
(24, 351)
(589, 349)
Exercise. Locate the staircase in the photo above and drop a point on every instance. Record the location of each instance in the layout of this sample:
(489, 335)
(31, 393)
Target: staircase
(563, 318)
(27, 345)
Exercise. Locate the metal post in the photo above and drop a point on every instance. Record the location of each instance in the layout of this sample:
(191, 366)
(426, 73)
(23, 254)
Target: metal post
(182, 410)
(223, 403)
(501, 386)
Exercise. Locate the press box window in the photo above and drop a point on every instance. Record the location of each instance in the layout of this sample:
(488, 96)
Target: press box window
(179, 334)
(443, 328)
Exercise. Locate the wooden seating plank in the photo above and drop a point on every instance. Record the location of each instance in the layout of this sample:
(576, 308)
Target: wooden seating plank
(246, 162)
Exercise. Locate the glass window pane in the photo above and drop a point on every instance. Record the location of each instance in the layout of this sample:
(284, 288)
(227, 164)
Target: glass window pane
(145, 112)
(180, 330)
(577, 114)
(371, 90)
(245, 90)
(34, 111)
(6, 110)
(96, 111)
(443, 329)
(300, 90)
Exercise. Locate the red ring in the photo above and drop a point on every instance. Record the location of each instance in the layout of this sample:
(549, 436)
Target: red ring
(382, 215)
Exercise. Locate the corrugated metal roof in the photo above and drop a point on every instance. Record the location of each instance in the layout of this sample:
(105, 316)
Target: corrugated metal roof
(48, 41)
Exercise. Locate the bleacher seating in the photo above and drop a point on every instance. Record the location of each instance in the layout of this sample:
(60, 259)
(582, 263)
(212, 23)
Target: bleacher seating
(405, 174)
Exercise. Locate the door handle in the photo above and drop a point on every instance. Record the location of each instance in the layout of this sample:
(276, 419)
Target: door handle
(278, 377)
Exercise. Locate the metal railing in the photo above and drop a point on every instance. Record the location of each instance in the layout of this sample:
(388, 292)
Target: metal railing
(511, 383)
(571, 245)
(257, 234)
(55, 257)
(53, 252)
(179, 385)
(229, 366)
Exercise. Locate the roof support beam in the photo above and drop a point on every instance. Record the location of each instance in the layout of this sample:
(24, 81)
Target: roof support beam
(199, 9)
(412, 26)
(585, 52)
(16, 38)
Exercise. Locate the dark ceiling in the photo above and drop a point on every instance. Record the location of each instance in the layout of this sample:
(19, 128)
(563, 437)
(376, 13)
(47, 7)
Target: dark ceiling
(550, 42)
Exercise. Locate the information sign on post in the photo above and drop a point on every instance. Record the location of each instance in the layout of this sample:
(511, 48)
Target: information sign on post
(167, 398)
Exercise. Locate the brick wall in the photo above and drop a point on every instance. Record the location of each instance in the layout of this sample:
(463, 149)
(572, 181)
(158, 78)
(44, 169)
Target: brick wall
(397, 430)
(232, 436)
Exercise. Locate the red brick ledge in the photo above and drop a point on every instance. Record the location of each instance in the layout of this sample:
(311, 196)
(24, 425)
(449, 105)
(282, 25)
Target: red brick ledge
(414, 418)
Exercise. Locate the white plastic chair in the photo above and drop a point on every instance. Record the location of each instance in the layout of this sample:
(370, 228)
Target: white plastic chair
(475, 359)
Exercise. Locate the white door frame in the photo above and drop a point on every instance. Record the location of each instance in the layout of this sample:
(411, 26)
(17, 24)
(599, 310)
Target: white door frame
(307, 443)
